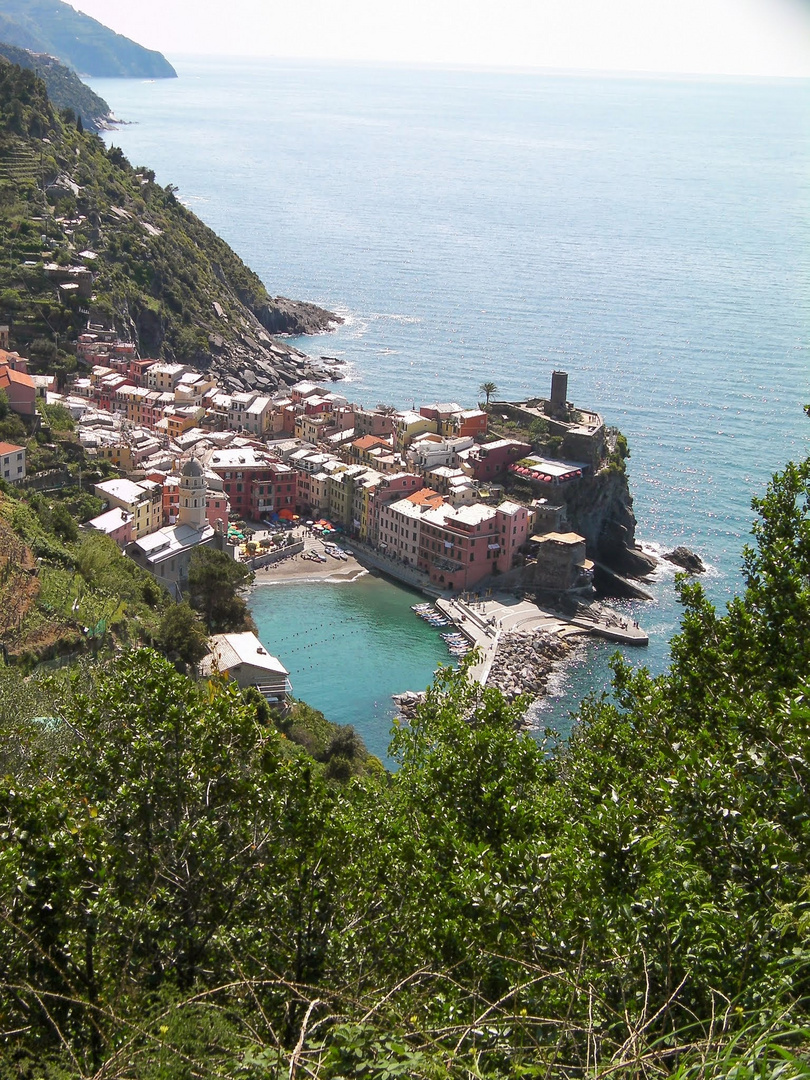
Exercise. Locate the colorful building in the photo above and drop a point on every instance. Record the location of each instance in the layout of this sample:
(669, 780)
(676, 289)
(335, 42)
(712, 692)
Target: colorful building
(19, 388)
(256, 485)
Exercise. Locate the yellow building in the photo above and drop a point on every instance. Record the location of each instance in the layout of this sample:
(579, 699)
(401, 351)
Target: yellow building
(408, 424)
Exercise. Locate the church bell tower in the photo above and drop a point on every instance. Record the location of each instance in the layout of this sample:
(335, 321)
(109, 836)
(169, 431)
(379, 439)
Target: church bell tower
(192, 496)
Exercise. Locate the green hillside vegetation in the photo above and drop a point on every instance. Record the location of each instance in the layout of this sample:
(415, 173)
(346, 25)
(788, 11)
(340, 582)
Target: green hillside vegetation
(50, 26)
(65, 89)
(184, 894)
(159, 269)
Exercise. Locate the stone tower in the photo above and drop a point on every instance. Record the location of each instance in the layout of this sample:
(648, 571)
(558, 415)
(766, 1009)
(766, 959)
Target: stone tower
(559, 390)
(192, 495)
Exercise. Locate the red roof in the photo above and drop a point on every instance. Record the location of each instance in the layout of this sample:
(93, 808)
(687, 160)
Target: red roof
(425, 495)
(368, 442)
(9, 448)
(8, 376)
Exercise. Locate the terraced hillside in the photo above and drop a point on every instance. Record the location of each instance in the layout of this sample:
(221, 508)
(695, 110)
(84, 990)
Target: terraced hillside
(19, 586)
(162, 278)
(19, 164)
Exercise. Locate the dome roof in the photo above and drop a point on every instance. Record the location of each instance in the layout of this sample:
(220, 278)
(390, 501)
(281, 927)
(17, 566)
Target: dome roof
(192, 468)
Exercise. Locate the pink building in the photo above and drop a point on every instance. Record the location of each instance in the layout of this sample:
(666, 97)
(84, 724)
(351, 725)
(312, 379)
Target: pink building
(217, 508)
(19, 389)
(390, 488)
(115, 523)
(460, 546)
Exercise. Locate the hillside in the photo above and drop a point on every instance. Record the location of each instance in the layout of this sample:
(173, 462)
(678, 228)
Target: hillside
(65, 89)
(161, 277)
(51, 26)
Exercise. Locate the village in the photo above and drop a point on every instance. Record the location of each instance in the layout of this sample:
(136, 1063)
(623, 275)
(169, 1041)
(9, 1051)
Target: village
(420, 494)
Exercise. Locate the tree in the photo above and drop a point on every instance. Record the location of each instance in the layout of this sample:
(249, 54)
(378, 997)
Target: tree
(214, 580)
(488, 389)
(182, 636)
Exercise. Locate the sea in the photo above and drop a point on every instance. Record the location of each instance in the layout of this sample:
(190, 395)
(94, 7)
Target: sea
(650, 235)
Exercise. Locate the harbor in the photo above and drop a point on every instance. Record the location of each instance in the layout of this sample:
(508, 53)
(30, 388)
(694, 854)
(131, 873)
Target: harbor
(365, 653)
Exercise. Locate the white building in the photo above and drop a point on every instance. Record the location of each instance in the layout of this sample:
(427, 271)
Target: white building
(166, 553)
(12, 462)
(243, 658)
(143, 500)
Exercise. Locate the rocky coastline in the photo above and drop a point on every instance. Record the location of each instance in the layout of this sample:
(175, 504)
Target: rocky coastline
(522, 666)
(250, 357)
(524, 661)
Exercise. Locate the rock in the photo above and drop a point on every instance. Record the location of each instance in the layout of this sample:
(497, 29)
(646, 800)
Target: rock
(408, 702)
(638, 563)
(686, 559)
(283, 316)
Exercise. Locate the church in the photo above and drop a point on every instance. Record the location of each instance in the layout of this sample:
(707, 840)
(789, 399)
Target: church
(167, 552)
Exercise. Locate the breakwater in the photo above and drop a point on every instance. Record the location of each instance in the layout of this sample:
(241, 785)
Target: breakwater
(524, 661)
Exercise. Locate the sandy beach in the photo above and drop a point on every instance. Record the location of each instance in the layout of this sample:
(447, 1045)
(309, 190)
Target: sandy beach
(296, 569)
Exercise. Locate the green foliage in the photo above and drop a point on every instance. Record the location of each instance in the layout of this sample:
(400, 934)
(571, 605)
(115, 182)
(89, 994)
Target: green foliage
(12, 429)
(159, 269)
(619, 454)
(213, 580)
(538, 430)
(56, 416)
(634, 902)
(181, 636)
(488, 389)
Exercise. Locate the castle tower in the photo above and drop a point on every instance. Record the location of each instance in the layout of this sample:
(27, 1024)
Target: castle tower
(559, 390)
(192, 496)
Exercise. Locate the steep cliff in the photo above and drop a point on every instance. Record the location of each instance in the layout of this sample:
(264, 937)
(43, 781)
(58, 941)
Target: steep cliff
(600, 508)
(65, 89)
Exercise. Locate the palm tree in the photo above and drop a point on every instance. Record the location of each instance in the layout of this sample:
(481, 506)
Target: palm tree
(488, 388)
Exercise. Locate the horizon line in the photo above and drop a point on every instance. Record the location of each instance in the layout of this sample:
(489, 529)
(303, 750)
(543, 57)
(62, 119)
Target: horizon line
(495, 69)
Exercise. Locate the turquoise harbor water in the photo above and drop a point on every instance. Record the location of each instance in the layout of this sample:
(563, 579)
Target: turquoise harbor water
(349, 647)
(650, 236)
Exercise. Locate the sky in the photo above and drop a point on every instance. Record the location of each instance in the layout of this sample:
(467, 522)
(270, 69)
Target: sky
(721, 37)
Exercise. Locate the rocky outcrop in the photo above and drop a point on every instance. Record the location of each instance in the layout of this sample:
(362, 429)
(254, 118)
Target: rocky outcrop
(283, 316)
(243, 357)
(600, 508)
(267, 366)
(408, 702)
(686, 559)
